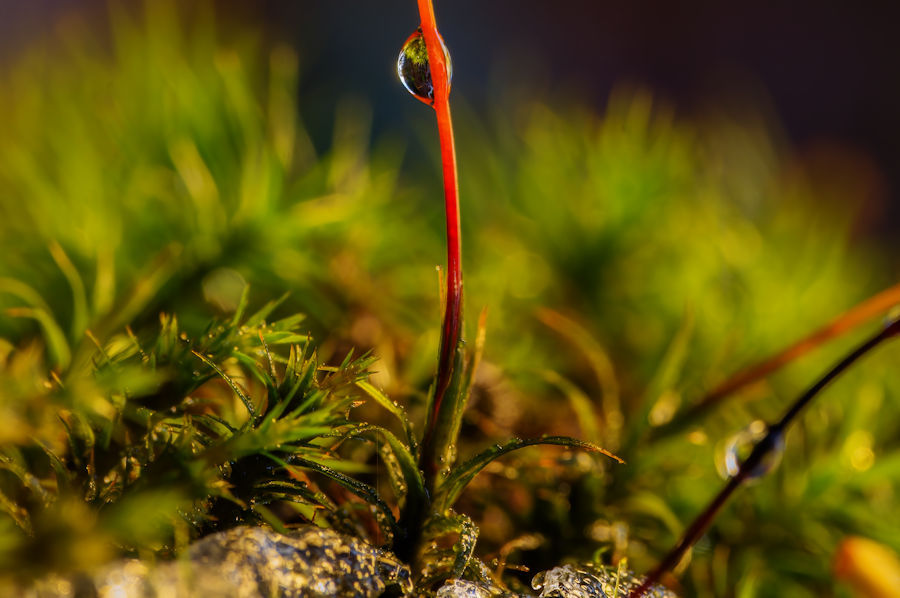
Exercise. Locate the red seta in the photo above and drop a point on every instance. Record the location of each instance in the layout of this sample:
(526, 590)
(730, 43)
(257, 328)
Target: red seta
(451, 331)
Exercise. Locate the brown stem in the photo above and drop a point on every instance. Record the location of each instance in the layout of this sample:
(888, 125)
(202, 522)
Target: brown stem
(859, 314)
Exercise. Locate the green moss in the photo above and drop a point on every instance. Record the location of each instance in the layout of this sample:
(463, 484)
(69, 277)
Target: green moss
(631, 259)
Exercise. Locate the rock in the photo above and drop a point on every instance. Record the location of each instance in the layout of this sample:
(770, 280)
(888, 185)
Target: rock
(256, 562)
(587, 581)
(460, 588)
(583, 581)
(250, 562)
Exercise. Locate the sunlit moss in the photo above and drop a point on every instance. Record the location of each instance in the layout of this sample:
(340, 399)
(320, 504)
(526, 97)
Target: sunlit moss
(165, 170)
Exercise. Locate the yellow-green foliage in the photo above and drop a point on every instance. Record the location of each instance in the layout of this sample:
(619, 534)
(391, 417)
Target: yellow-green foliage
(630, 260)
(679, 252)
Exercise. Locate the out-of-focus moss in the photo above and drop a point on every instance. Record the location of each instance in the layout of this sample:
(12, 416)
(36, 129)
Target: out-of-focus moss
(168, 168)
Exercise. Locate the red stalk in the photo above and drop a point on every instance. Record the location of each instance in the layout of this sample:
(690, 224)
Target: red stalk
(450, 334)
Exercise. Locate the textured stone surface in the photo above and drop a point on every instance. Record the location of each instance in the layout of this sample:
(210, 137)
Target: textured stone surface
(561, 582)
(590, 582)
(459, 588)
(255, 562)
(250, 562)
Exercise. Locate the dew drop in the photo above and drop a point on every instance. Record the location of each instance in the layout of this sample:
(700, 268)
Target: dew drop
(739, 447)
(538, 582)
(413, 68)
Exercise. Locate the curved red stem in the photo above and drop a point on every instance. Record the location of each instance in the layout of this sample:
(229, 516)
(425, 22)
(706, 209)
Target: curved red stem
(450, 334)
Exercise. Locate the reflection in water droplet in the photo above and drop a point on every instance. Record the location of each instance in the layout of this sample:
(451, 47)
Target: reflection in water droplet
(413, 68)
(739, 447)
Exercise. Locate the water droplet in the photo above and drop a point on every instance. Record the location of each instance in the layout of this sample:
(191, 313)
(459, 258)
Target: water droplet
(892, 321)
(739, 447)
(413, 68)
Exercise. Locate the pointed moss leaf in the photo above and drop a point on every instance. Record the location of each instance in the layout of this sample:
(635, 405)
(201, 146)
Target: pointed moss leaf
(600, 362)
(337, 464)
(311, 402)
(271, 364)
(393, 408)
(17, 513)
(27, 479)
(285, 337)
(134, 381)
(581, 404)
(167, 340)
(252, 366)
(81, 429)
(298, 375)
(215, 424)
(290, 487)
(58, 346)
(100, 349)
(412, 477)
(63, 475)
(664, 379)
(289, 338)
(237, 390)
(465, 545)
(362, 490)
(299, 488)
(260, 316)
(395, 473)
(653, 506)
(241, 307)
(459, 478)
(76, 285)
(269, 517)
(278, 408)
(444, 430)
(449, 419)
(288, 324)
(272, 435)
(347, 360)
(147, 284)
(75, 453)
(24, 292)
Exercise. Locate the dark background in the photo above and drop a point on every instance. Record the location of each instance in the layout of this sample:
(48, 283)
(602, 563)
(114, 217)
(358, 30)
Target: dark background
(824, 71)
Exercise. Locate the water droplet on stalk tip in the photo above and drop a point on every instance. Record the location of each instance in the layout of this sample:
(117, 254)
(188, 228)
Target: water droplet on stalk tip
(414, 70)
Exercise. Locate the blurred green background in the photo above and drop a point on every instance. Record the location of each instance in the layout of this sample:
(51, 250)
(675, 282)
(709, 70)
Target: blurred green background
(631, 255)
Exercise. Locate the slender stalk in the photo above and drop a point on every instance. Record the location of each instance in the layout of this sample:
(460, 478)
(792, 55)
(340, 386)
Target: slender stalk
(859, 314)
(770, 443)
(451, 330)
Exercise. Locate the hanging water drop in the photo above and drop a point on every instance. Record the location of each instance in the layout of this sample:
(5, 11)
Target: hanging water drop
(739, 448)
(537, 583)
(414, 70)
